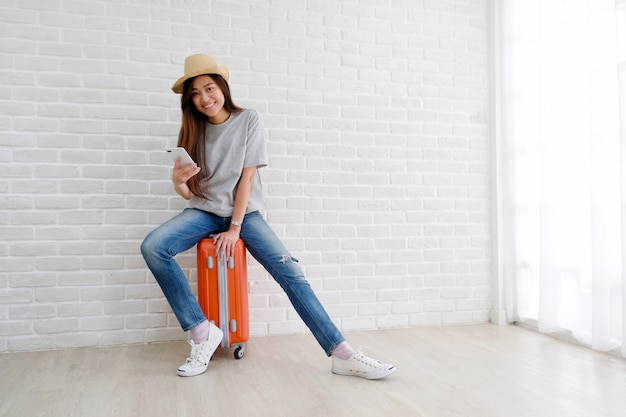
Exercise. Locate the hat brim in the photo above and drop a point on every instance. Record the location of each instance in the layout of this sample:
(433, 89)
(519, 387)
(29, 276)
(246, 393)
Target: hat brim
(221, 70)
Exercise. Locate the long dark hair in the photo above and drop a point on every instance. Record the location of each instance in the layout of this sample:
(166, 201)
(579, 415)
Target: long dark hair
(194, 123)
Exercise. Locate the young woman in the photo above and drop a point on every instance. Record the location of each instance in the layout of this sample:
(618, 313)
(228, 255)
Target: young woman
(224, 193)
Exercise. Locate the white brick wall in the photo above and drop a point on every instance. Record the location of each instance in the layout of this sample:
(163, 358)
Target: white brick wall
(379, 169)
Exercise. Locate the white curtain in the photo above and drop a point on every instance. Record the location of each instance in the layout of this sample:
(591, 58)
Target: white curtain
(563, 166)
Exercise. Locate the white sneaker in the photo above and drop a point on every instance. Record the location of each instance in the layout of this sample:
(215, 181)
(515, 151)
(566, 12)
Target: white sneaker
(198, 360)
(360, 365)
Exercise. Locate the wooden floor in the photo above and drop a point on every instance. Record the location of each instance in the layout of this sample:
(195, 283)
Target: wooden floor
(470, 371)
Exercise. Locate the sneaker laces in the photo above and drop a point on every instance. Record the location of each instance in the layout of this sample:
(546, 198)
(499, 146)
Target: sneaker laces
(195, 357)
(366, 360)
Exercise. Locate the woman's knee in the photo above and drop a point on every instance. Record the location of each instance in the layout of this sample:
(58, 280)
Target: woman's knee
(150, 246)
(146, 247)
(287, 268)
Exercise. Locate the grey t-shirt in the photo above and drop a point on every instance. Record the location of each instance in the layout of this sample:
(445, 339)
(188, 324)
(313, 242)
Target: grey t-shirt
(231, 146)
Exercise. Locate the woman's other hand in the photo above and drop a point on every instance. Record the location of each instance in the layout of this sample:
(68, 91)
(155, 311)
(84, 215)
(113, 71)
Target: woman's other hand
(225, 243)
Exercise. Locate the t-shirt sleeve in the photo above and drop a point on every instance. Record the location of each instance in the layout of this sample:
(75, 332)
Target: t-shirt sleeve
(256, 152)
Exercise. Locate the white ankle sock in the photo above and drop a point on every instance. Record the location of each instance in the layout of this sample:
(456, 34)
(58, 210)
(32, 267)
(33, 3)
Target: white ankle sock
(343, 350)
(200, 333)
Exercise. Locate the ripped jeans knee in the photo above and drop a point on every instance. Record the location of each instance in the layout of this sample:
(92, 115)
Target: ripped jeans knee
(288, 269)
(286, 258)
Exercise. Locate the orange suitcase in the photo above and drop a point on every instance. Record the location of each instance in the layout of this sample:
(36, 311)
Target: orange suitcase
(223, 293)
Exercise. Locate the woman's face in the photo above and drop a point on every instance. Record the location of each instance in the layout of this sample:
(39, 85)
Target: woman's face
(209, 99)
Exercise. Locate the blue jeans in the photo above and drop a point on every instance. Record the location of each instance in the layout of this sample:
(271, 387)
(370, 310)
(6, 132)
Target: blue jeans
(186, 229)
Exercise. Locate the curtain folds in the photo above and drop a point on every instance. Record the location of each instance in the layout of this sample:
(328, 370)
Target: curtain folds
(563, 93)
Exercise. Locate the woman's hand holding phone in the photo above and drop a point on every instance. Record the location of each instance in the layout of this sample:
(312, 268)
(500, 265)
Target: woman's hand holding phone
(184, 168)
(182, 173)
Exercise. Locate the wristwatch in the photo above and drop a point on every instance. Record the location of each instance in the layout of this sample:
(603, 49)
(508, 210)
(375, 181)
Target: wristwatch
(235, 223)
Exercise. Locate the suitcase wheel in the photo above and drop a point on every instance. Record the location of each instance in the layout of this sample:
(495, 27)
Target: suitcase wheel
(239, 352)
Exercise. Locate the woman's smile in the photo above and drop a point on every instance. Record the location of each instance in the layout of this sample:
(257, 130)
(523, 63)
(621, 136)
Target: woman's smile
(209, 99)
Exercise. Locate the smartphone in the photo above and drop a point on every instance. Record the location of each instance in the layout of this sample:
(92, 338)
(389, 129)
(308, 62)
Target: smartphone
(176, 153)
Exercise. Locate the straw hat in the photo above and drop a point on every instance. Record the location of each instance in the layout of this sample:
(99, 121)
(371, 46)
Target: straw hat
(199, 64)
